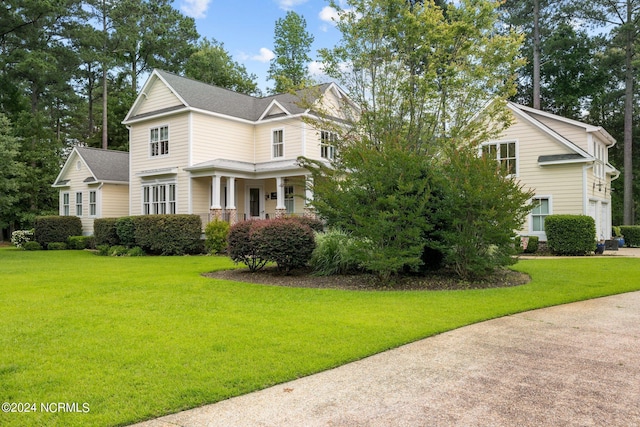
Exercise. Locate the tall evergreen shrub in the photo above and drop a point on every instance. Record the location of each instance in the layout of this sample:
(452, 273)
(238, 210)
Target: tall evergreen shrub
(570, 234)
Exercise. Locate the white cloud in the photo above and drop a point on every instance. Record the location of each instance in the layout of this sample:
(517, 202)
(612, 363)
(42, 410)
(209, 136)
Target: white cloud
(329, 14)
(289, 4)
(265, 55)
(195, 8)
(316, 69)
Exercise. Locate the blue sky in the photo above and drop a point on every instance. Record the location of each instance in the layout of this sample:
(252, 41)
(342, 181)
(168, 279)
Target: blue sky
(247, 28)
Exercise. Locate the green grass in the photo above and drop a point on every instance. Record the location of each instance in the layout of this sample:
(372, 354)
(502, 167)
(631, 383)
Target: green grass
(137, 338)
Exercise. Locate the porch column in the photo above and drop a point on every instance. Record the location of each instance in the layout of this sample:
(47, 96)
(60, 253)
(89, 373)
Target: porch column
(281, 209)
(308, 210)
(215, 211)
(231, 200)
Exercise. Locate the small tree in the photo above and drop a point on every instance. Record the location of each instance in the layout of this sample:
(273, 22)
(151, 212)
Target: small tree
(242, 248)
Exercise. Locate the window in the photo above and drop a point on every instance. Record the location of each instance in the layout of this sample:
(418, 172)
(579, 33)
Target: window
(327, 145)
(159, 141)
(542, 208)
(278, 143)
(93, 206)
(503, 152)
(159, 199)
(289, 202)
(65, 204)
(78, 204)
(601, 160)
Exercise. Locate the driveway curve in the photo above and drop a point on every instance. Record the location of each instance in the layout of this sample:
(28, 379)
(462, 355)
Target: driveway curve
(571, 365)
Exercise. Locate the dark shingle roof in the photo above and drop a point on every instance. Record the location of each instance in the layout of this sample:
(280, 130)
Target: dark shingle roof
(106, 165)
(224, 101)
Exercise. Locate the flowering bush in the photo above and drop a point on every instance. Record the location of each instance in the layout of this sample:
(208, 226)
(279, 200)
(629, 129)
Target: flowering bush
(20, 237)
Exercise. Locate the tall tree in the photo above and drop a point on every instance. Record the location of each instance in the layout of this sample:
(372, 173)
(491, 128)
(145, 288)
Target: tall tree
(212, 64)
(292, 43)
(11, 172)
(623, 17)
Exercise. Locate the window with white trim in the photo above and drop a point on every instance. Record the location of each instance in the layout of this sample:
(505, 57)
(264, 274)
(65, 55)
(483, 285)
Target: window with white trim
(327, 145)
(541, 209)
(65, 204)
(93, 203)
(159, 141)
(78, 204)
(289, 201)
(504, 153)
(601, 160)
(278, 143)
(159, 199)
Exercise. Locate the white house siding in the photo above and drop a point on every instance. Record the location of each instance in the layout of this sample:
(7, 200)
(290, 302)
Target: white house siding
(573, 133)
(293, 139)
(218, 138)
(201, 197)
(159, 97)
(155, 168)
(113, 201)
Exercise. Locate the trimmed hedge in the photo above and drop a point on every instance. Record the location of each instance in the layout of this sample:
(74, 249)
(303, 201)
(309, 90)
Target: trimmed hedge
(80, 242)
(56, 229)
(126, 231)
(241, 247)
(570, 234)
(169, 234)
(631, 235)
(287, 243)
(314, 223)
(31, 246)
(104, 232)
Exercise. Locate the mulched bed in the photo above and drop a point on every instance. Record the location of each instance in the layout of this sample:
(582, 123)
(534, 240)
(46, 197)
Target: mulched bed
(302, 278)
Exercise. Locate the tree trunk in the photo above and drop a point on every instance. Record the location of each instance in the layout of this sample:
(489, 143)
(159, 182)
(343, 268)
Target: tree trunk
(536, 54)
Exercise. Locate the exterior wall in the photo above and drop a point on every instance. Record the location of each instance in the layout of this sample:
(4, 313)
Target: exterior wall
(573, 133)
(159, 97)
(294, 139)
(142, 163)
(113, 201)
(218, 138)
(201, 198)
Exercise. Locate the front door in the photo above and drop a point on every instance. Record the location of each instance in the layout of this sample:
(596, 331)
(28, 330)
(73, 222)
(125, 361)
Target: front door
(254, 202)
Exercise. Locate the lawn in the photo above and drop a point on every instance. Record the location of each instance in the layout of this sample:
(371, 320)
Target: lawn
(120, 340)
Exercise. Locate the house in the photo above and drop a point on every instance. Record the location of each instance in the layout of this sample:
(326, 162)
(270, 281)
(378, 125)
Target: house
(94, 184)
(200, 149)
(565, 163)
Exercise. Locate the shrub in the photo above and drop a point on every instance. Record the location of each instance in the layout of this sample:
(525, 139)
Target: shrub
(313, 223)
(31, 246)
(570, 234)
(57, 246)
(287, 243)
(532, 245)
(126, 231)
(169, 234)
(56, 229)
(216, 233)
(118, 250)
(335, 253)
(631, 235)
(20, 237)
(241, 247)
(136, 251)
(103, 250)
(104, 232)
(81, 242)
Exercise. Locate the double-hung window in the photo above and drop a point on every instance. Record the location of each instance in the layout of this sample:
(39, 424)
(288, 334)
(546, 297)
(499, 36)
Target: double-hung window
(289, 201)
(65, 204)
(504, 153)
(93, 203)
(278, 143)
(159, 141)
(78, 204)
(327, 145)
(541, 209)
(159, 199)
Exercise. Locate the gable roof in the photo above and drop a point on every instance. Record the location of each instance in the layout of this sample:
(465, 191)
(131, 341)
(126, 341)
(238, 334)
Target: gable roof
(195, 95)
(104, 165)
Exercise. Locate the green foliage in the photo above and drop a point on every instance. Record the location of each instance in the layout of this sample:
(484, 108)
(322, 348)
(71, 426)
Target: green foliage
(20, 237)
(136, 251)
(50, 229)
(31, 246)
(11, 172)
(314, 223)
(211, 63)
(631, 235)
(532, 246)
(287, 243)
(57, 246)
(615, 230)
(335, 253)
(103, 250)
(105, 232)
(126, 231)
(216, 233)
(81, 242)
(476, 210)
(291, 46)
(118, 250)
(570, 234)
(169, 234)
(242, 248)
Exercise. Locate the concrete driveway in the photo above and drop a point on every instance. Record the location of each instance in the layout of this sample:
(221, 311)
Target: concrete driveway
(571, 365)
